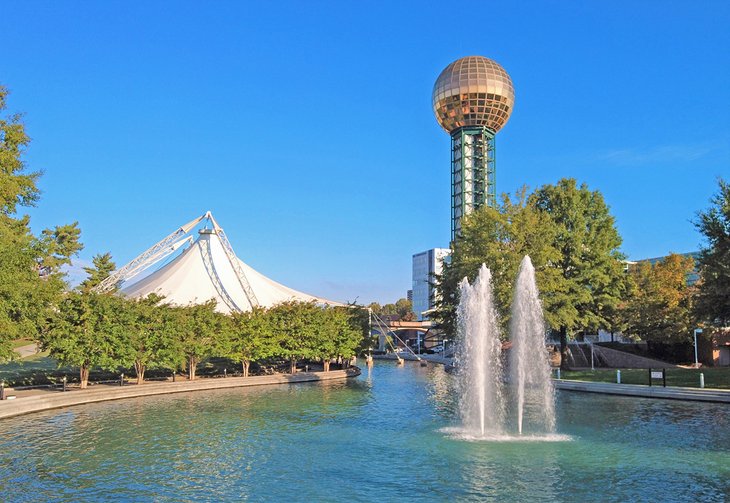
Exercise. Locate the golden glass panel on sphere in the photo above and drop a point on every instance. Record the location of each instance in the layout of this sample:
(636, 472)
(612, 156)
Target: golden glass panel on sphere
(473, 91)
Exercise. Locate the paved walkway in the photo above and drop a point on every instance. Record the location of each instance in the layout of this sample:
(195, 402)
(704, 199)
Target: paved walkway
(670, 392)
(36, 400)
(26, 351)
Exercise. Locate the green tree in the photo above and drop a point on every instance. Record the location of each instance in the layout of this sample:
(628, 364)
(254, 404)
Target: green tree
(591, 280)
(659, 304)
(56, 247)
(196, 328)
(247, 337)
(402, 308)
(17, 186)
(102, 267)
(713, 300)
(149, 335)
(30, 279)
(87, 330)
(294, 328)
(349, 334)
(499, 237)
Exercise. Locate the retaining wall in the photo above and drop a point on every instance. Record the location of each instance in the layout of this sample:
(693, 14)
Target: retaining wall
(101, 393)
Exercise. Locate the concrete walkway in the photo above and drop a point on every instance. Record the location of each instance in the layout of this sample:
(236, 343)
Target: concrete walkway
(28, 350)
(670, 392)
(28, 401)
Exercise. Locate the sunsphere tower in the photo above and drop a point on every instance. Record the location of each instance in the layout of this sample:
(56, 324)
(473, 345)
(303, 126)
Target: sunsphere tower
(472, 99)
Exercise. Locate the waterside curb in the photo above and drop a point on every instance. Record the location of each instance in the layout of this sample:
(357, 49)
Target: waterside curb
(102, 393)
(670, 392)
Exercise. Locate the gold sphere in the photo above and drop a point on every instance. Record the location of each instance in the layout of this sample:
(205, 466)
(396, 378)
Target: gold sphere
(473, 91)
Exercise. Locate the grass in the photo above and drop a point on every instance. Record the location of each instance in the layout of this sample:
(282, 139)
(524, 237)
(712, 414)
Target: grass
(25, 371)
(714, 377)
(21, 342)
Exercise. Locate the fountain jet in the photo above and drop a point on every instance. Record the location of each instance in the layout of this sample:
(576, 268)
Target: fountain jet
(480, 369)
(481, 387)
(529, 361)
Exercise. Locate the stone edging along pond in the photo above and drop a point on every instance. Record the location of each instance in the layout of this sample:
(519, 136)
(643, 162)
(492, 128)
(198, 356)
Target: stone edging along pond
(102, 393)
(638, 390)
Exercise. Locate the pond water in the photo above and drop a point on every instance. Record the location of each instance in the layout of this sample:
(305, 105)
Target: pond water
(383, 436)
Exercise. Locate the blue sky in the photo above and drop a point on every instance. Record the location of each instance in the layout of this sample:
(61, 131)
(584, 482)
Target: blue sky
(306, 127)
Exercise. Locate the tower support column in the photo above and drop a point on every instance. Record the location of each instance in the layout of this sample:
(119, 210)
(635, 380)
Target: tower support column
(473, 173)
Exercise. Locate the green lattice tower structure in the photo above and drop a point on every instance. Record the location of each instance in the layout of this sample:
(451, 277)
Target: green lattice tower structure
(473, 173)
(472, 100)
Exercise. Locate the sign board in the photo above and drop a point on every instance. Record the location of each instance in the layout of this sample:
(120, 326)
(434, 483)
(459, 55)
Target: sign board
(656, 375)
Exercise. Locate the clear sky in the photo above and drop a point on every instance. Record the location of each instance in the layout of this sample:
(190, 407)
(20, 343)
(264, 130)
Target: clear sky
(307, 129)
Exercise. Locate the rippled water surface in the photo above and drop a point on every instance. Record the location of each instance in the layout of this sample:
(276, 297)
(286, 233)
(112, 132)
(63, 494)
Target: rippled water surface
(385, 436)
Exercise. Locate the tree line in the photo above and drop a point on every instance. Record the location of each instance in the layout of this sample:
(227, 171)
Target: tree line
(110, 332)
(585, 282)
(566, 228)
(84, 329)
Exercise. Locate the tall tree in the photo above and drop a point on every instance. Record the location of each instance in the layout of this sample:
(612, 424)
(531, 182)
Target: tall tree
(293, 325)
(713, 300)
(247, 337)
(102, 267)
(500, 237)
(56, 247)
(659, 305)
(196, 328)
(592, 281)
(17, 186)
(26, 298)
(87, 330)
(149, 335)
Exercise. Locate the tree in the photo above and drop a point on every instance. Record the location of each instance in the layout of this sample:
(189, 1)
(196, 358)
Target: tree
(403, 309)
(294, 328)
(56, 247)
(713, 300)
(102, 267)
(87, 330)
(196, 328)
(591, 280)
(247, 337)
(17, 187)
(499, 237)
(149, 335)
(349, 332)
(30, 279)
(659, 305)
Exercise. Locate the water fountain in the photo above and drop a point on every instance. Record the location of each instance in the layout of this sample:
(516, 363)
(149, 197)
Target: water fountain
(480, 369)
(481, 386)
(529, 361)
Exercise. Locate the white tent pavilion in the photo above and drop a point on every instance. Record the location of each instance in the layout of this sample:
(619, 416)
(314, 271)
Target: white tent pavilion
(207, 269)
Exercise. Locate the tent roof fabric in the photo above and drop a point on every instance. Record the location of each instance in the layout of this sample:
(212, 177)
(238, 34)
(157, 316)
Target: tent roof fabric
(203, 272)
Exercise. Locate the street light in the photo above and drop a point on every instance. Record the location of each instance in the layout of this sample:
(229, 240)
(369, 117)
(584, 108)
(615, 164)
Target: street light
(697, 362)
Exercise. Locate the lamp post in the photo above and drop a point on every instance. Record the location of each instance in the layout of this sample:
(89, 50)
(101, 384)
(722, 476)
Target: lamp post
(697, 331)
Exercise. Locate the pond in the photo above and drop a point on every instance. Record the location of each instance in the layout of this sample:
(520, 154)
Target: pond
(383, 436)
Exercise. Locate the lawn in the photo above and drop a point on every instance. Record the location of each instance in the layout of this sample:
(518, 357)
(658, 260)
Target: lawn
(21, 342)
(714, 377)
(26, 370)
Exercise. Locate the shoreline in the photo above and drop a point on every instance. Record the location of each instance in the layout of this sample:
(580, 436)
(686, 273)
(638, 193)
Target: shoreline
(102, 392)
(711, 395)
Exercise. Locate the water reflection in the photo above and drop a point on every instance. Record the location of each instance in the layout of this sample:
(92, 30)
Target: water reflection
(377, 437)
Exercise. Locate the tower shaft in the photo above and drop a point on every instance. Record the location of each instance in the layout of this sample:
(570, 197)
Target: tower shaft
(473, 173)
